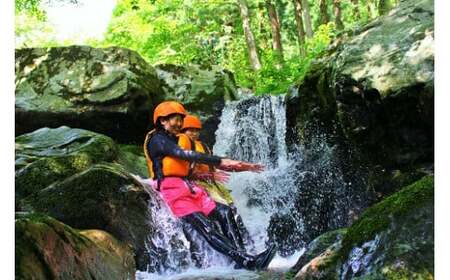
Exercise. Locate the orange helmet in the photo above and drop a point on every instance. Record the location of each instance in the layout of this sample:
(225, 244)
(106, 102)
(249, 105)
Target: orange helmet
(167, 108)
(191, 121)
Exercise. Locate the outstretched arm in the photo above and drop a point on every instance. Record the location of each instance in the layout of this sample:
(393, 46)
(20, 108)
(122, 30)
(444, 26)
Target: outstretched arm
(162, 146)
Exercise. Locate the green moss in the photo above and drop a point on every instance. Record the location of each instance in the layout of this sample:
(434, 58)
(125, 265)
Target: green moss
(289, 275)
(378, 217)
(392, 273)
(133, 159)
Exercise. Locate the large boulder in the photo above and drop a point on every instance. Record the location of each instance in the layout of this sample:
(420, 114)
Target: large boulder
(84, 179)
(111, 90)
(49, 249)
(104, 196)
(49, 155)
(393, 239)
(203, 91)
(373, 91)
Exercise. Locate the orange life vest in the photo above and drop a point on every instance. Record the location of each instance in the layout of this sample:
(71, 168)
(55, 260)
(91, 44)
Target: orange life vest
(202, 168)
(170, 166)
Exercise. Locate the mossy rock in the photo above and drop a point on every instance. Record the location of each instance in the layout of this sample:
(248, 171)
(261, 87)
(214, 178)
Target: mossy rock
(49, 155)
(393, 239)
(322, 266)
(106, 197)
(48, 249)
(107, 90)
(316, 247)
(132, 158)
(379, 217)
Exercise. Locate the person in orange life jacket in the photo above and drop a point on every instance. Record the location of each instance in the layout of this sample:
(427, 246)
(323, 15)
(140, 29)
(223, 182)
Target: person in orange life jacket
(168, 164)
(212, 180)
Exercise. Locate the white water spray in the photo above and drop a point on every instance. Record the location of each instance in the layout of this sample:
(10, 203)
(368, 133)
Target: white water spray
(254, 130)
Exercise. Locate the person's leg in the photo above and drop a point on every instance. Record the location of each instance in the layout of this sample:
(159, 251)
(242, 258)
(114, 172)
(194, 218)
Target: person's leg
(225, 216)
(189, 232)
(219, 242)
(245, 235)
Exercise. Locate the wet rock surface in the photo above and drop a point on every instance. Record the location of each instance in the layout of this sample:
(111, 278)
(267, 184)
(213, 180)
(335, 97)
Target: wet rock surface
(392, 239)
(49, 249)
(372, 93)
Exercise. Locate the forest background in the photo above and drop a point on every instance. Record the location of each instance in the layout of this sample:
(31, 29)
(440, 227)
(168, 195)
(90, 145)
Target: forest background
(267, 44)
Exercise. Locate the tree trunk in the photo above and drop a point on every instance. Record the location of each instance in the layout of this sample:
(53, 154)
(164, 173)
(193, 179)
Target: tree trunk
(299, 22)
(383, 7)
(356, 9)
(249, 38)
(307, 17)
(276, 34)
(324, 18)
(369, 10)
(337, 14)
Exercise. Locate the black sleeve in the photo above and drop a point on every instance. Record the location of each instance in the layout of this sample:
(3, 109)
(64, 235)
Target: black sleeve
(163, 146)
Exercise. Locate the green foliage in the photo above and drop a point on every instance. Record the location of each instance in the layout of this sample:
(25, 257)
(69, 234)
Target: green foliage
(205, 32)
(30, 21)
(275, 80)
(31, 8)
(210, 32)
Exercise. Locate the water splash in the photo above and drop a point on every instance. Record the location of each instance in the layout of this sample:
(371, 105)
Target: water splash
(169, 251)
(254, 130)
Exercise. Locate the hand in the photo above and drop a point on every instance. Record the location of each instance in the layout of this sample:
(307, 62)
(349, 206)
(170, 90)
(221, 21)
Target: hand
(216, 176)
(229, 164)
(237, 166)
(254, 167)
(221, 176)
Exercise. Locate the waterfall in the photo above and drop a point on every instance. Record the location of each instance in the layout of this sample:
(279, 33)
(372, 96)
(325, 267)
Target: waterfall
(300, 194)
(254, 130)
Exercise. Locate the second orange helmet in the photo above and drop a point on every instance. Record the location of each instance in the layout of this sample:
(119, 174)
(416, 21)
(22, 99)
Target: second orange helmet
(191, 121)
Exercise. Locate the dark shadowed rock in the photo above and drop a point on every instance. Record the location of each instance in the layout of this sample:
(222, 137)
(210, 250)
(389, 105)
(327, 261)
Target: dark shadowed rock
(102, 197)
(48, 249)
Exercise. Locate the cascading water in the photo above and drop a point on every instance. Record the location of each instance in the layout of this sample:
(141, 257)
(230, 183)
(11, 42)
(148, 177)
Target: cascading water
(298, 196)
(254, 130)
(301, 194)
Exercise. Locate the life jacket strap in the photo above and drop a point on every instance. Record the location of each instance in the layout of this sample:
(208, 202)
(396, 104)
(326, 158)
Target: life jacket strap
(190, 185)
